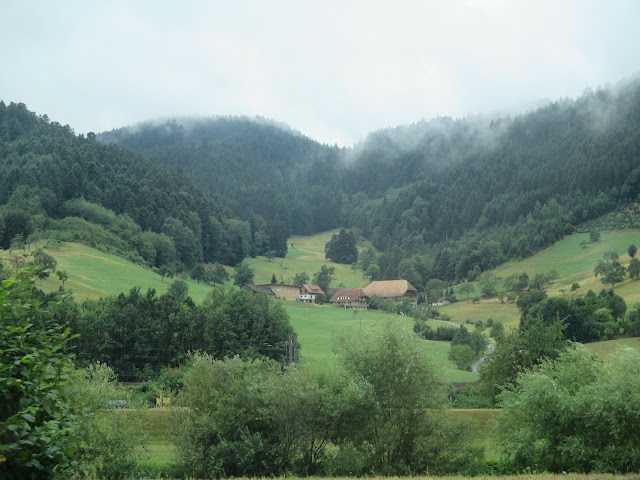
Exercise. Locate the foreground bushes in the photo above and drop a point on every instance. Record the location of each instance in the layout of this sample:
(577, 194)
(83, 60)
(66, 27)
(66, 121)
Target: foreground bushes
(375, 414)
(576, 414)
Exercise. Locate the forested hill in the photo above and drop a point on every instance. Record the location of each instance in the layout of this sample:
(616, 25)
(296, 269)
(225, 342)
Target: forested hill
(467, 193)
(61, 186)
(257, 166)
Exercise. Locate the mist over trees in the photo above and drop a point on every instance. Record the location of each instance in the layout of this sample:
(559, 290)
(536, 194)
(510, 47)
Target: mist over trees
(464, 194)
(449, 197)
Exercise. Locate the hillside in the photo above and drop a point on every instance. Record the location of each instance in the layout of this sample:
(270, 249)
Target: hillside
(307, 256)
(574, 264)
(94, 274)
(464, 194)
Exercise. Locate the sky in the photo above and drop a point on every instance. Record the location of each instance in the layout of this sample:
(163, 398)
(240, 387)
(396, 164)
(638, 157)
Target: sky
(333, 70)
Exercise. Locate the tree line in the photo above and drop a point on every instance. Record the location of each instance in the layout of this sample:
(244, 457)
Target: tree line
(458, 196)
(58, 185)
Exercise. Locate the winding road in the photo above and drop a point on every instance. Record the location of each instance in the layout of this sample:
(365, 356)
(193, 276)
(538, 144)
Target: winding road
(474, 365)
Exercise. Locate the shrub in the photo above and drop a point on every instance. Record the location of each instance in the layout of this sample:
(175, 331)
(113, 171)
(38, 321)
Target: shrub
(37, 420)
(576, 414)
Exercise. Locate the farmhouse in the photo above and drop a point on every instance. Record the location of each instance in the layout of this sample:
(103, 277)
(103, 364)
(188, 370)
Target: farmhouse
(309, 293)
(286, 292)
(351, 298)
(442, 301)
(392, 290)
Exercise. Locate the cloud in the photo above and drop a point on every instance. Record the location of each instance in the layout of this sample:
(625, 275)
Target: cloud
(333, 70)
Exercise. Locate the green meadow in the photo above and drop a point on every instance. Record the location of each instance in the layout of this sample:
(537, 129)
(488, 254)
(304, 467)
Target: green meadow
(94, 274)
(318, 327)
(307, 255)
(573, 263)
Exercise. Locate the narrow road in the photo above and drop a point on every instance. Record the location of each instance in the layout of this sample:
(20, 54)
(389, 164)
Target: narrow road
(474, 365)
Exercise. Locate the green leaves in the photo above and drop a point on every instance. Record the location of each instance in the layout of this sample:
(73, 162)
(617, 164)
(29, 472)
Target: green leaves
(37, 420)
(576, 413)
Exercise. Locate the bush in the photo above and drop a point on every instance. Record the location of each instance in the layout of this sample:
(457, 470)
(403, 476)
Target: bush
(111, 439)
(463, 356)
(37, 420)
(576, 414)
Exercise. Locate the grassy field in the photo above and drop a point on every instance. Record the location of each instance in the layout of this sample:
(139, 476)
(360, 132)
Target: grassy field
(576, 264)
(160, 426)
(573, 263)
(460, 312)
(307, 256)
(609, 346)
(318, 326)
(94, 274)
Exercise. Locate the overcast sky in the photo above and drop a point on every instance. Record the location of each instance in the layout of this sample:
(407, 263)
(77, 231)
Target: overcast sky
(334, 70)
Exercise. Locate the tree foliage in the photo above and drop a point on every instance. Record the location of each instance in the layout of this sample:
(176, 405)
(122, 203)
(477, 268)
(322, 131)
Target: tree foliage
(575, 413)
(36, 416)
(342, 248)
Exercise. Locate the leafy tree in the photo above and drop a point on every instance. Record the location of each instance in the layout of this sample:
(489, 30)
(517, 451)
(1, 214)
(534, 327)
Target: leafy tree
(488, 283)
(397, 435)
(575, 413)
(270, 254)
(37, 421)
(521, 350)
(632, 250)
(216, 274)
(466, 289)
(198, 272)
(166, 271)
(433, 289)
(633, 320)
(373, 272)
(342, 248)
(323, 277)
(224, 436)
(462, 356)
(634, 268)
(243, 274)
(366, 258)
(527, 300)
(612, 272)
(112, 443)
(497, 331)
(300, 278)
(575, 286)
(46, 261)
(594, 236)
(63, 276)
(516, 281)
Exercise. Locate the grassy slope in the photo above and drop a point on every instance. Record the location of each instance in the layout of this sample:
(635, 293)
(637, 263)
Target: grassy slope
(307, 256)
(94, 274)
(318, 326)
(571, 261)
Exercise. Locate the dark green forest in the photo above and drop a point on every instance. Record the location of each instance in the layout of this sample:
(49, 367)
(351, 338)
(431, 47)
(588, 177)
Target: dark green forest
(446, 198)
(462, 195)
(55, 184)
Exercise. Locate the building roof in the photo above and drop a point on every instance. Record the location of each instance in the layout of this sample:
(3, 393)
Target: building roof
(350, 295)
(315, 289)
(390, 289)
(259, 289)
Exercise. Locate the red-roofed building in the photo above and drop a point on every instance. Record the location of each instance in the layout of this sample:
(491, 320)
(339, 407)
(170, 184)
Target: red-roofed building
(309, 293)
(352, 298)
